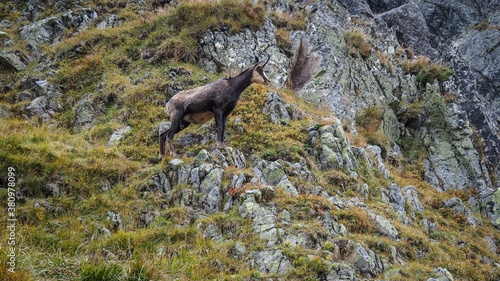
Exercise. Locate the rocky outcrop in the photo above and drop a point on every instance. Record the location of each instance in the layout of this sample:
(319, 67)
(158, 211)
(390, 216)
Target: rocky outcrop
(460, 209)
(12, 61)
(332, 148)
(235, 52)
(410, 27)
(279, 111)
(452, 160)
(50, 30)
(47, 98)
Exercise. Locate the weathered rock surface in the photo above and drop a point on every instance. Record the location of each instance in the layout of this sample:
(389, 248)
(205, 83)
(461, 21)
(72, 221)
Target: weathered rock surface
(272, 262)
(11, 61)
(235, 52)
(50, 30)
(411, 28)
(117, 136)
(460, 209)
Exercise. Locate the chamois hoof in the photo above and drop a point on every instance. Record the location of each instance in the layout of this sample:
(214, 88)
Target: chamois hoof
(220, 145)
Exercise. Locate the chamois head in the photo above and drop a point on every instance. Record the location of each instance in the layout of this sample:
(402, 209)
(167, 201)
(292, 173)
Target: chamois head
(258, 75)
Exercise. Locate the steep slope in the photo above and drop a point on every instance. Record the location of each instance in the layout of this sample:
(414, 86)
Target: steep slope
(380, 163)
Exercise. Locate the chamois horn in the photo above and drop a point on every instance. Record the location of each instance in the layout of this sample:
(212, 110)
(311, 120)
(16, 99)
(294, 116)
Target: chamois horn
(268, 58)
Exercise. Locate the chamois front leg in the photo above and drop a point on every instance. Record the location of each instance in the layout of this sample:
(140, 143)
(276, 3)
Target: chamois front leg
(220, 124)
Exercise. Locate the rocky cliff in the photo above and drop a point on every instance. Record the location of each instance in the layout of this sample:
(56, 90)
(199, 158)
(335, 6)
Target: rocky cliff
(374, 154)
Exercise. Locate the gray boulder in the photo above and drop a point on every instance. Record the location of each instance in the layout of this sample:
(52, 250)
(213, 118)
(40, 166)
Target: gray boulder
(398, 203)
(117, 136)
(279, 111)
(411, 195)
(376, 152)
(11, 61)
(272, 262)
(110, 22)
(263, 217)
(364, 261)
(384, 226)
(460, 209)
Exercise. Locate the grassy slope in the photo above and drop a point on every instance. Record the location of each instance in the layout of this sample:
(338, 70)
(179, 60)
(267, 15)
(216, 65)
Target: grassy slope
(62, 236)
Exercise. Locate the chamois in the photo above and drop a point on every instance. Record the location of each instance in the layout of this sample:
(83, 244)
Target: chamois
(215, 100)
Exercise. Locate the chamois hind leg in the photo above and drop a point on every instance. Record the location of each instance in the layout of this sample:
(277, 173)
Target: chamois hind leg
(176, 127)
(163, 138)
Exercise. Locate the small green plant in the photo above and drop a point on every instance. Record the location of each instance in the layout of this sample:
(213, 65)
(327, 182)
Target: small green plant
(357, 44)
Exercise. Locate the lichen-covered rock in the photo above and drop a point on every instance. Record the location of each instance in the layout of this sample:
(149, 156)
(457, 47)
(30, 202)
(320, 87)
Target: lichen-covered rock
(263, 216)
(384, 226)
(333, 228)
(11, 61)
(300, 239)
(487, 202)
(452, 161)
(272, 173)
(442, 274)
(50, 30)
(46, 31)
(234, 52)
(341, 78)
(272, 262)
(110, 22)
(460, 209)
(340, 272)
(332, 148)
(376, 152)
(117, 136)
(398, 203)
(411, 195)
(364, 261)
(279, 111)
(210, 189)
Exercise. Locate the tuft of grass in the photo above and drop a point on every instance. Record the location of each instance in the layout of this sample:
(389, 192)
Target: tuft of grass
(369, 123)
(357, 44)
(426, 71)
(356, 220)
(98, 271)
(385, 62)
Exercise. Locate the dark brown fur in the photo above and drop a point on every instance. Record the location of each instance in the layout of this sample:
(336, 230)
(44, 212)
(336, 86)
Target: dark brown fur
(215, 100)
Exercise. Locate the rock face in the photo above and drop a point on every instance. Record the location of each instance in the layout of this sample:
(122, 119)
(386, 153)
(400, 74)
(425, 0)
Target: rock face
(452, 160)
(50, 30)
(235, 52)
(411, 28)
